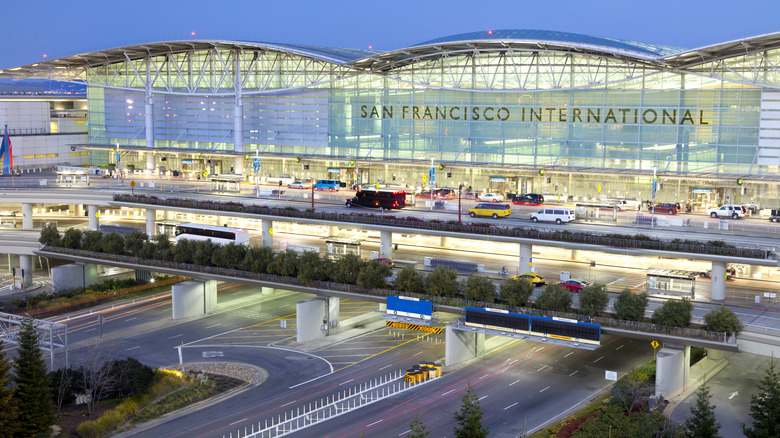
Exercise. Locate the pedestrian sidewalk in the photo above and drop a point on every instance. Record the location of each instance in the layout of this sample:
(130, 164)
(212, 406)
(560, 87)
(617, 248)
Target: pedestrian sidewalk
(698, 374)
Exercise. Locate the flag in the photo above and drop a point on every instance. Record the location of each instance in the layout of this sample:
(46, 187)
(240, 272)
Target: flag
(6, 153)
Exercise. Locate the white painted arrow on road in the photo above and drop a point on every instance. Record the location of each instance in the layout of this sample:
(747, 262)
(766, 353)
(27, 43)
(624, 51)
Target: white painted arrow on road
(733, 394)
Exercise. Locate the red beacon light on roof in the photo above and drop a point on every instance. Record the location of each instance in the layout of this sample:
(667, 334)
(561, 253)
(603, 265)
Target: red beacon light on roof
(490, 32)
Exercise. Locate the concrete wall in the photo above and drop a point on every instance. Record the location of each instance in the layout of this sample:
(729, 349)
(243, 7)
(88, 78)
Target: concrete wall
(67, 277)
(310, 315)
(188, 299)
(670, 370)
(461, 346)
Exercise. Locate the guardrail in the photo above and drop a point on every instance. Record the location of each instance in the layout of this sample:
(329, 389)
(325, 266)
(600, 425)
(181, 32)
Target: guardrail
(458, 303)
(611, 240)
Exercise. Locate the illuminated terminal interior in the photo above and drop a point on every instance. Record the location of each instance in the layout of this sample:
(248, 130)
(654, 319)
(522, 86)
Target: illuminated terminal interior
(513, 111)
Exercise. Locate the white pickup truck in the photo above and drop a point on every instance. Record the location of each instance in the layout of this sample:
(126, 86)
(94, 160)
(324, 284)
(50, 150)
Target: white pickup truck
(285, 180)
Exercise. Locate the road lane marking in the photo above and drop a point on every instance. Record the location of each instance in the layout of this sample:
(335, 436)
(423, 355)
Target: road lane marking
(570, 353)
(404, 433)
(176, 336)
(344, 383)
(130, 319)
(619, 348)
(602, 357)
(618, 280)
(545, 366)
(132, 348)
(384, 367)
(484, 396)
(417, 354)
(214, 325)
(375, 422)
(483, 376)
(514, 382)
(545, 389)
(510, 363)
(575, 372)
(235, 422)
(89, 330)
(451, 390)
(513, 404)
(289, 403)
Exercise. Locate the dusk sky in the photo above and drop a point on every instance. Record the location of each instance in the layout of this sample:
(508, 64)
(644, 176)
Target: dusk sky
(56, 28)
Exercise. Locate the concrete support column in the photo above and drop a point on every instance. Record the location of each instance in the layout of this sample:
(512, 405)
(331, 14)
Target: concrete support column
(576, 254)
(25, 262)
(94, 223)
(151, 216)
(238, 166)
(333, 230)
(386, 244)
(461, 346)
(90, 273)
(670, 371)
(267, 226)
(718, 282)
(238, 108)
(168, 215)
(446, 241)
(524, 261)
(150, 163)
(333, 311)
(311, 317)
(266, 290)
(27, 222)
(192, 298)
(80, 210)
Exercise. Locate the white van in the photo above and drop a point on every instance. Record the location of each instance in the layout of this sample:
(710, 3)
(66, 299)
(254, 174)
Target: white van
(558, 215)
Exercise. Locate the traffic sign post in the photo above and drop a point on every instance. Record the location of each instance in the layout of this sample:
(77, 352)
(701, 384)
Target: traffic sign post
(132, 187)
(655, 346)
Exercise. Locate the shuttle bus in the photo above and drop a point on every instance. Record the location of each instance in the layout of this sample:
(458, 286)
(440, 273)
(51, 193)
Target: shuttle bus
(378, 198)
(217, 235)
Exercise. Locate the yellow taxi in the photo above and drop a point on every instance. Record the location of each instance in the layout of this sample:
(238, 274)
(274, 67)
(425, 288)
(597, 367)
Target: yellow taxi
(535, 279)
(492, 209)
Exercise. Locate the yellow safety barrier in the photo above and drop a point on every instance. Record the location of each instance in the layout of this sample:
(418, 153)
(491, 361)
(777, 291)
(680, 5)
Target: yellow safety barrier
(419, 328)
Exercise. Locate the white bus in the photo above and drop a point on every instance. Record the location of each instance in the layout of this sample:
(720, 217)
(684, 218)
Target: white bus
(217, 235)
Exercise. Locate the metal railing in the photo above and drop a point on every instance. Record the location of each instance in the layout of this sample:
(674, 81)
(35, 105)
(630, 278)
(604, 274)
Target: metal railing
(330, 407)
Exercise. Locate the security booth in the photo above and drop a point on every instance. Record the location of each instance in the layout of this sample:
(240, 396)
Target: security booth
(337, 248)
(226, 183)
(671, 282)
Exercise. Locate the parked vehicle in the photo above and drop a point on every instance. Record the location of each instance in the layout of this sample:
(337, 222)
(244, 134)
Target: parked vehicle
(730, 273)
(732, 211)
(667, 208)
(627, 204)
(385, 261)
(494, 210)
(212, 233)
(528, 199)
(558, 215)
(535, 279)
(328, 184)
(378, 198)
(574, 285)
(775, 217)
(299, 185)
(490, 197)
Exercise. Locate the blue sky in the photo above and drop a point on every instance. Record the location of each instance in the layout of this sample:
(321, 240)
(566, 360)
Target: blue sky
(57, 28)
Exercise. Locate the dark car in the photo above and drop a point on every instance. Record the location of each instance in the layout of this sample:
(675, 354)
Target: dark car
(528, 199)
(574, 285)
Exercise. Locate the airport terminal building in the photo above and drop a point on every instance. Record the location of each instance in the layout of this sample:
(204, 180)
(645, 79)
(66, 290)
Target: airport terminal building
(507, 110)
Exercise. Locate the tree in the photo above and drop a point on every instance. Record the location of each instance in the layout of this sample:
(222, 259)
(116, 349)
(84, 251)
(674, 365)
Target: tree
(164, 247)
(346, 269)
(257, 259)
(72, 238)
(417, 428)
(479, 288)
(184, 251)
(516, 291)
(630, 306)
(470, 417)
(674, 313)
(373, 275)
(90, 241)
(722, 320)
(62, 383)
(701, 423)
(593, 299)
(8, 405)
(631, 391)
(50, 235)
(204, 249)
(228, 256)
(555, 298)
(113, 243)
(442, 282)
(409, 280)
(33, 394)
(311, 268)
(97, 376)
(765, 406)
(134, 241)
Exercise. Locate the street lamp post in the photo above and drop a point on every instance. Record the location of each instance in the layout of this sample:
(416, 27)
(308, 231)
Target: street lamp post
(312, 195)
(652, 206)
(460, 189)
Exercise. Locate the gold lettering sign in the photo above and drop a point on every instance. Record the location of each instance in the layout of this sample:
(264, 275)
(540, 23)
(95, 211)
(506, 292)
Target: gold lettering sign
(618, 116)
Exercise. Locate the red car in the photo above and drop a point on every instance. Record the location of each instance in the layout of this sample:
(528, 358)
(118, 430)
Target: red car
(574, 285)
(385, 261)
